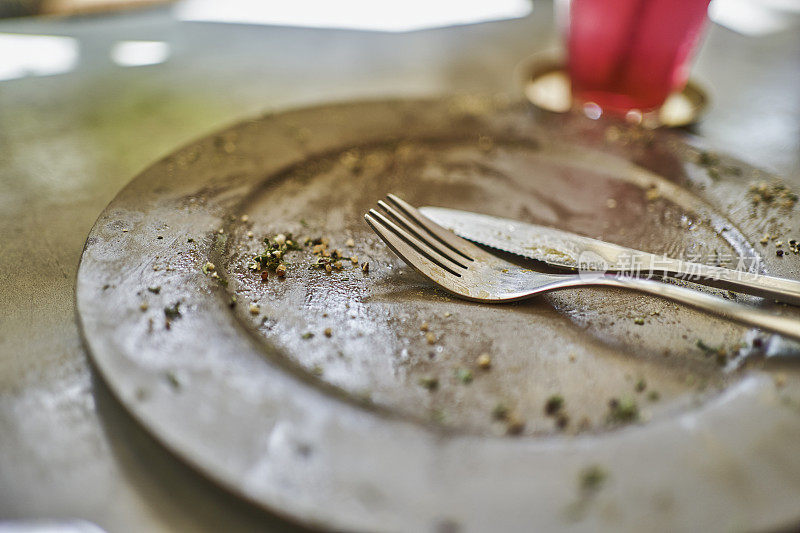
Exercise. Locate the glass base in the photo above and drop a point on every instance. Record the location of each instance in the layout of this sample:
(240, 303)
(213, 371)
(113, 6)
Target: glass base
(547, 86)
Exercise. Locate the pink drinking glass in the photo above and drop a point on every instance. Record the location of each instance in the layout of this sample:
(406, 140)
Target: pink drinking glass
(631, 54)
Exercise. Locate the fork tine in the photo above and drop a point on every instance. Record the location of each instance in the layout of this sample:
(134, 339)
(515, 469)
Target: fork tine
(407, 253)
(462, 247)
(421, 234)
(420, 247)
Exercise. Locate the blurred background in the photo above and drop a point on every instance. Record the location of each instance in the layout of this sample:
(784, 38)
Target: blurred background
(92, 91)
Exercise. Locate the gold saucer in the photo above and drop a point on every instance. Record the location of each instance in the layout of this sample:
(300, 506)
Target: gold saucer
(546, 85)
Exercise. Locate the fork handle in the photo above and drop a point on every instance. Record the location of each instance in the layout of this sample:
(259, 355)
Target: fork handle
(743, 314)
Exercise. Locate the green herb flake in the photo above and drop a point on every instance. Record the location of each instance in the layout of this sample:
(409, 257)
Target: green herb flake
(707, 159)
(622, 410)
(429, 382)
(719, 353)
(592, 478)
(464, 375)
(553, 404)
(500, 411)
(173, 380)
(274, 252)
(173, 311)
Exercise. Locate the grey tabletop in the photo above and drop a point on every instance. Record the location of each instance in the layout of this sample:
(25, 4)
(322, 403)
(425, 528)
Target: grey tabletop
(69, 142)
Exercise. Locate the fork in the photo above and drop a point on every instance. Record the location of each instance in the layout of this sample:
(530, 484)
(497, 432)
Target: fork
(469, 272)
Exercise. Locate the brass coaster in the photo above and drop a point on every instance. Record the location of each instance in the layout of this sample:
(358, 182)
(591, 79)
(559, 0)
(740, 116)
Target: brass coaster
(547, 86)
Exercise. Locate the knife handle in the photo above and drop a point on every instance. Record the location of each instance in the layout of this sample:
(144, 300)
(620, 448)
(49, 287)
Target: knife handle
(784, 290)
(639, 263)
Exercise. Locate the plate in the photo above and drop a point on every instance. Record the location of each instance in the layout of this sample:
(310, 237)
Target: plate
(354, 400)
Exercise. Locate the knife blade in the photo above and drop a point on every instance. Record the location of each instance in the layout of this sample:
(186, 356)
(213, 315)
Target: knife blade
(578, 253)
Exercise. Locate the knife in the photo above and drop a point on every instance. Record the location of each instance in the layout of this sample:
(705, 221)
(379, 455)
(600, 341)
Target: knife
(577, 253)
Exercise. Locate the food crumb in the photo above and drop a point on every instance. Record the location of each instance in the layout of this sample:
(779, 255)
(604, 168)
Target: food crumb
(254, 309)
(144, 307)
(639, 321)
(652, 194)
(350, 243)
(484, 361)
(328, 332)
(424, 327)
(307, 335)
(430, 337)
(244, 218)
(515, 425)
(280, 270)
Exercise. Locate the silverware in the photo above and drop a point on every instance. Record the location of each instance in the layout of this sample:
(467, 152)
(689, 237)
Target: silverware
(469, 272)
(568, 250)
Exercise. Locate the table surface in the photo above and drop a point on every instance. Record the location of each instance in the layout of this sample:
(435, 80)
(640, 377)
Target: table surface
(69, 142)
